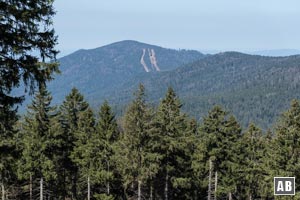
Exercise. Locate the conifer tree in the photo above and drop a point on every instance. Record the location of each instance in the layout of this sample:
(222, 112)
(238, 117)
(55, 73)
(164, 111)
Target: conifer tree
(200, 165)
(220, 148)
(229, 174)
(286, 145)
(26, 27)
(70, 113)
(93, 151)
(8, 151)
(137, 162)
(172, 146)
(251, 165)
(267, 166)
(107, 134)
(83, 154)
(36, 160)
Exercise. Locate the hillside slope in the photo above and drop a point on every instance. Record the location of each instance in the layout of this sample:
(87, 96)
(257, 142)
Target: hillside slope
(255, 88)
(99, 71)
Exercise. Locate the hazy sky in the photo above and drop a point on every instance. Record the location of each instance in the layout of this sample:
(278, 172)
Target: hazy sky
(191, 24)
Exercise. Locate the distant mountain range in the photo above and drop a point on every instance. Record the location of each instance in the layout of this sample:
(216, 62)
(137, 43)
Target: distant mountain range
(272, 52)
(255, 88)
(276, 52)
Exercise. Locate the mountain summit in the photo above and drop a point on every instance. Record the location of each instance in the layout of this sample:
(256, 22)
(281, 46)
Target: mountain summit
(98, 71)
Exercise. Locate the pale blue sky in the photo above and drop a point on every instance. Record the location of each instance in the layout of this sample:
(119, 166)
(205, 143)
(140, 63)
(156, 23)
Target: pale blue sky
(242, 25)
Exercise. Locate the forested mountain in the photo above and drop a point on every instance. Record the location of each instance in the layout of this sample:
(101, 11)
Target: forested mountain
(255, 88)
(81, 149)
(98, 71)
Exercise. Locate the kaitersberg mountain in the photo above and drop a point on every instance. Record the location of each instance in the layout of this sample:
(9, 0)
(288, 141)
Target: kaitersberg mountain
(98, 72)
(255, 88)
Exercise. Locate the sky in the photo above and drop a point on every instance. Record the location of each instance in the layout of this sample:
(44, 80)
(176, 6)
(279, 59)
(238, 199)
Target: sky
(208, 25)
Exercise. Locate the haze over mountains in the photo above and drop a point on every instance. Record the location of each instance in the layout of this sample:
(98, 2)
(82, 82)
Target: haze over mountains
(255, 88)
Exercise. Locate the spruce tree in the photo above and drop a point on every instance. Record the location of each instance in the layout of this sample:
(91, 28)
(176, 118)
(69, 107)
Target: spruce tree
(26, 27)
(70, 113)
(83, 154)
(36, 160)
(219, 151)
(200, 165)
(251, 165)
(172, 146)
(137, 162)
(267, 166)
(230, 166)
(286, 145)
(8, 150)
(107, 134)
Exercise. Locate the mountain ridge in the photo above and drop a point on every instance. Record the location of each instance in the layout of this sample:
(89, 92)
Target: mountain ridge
(255, 88)
(98, 70)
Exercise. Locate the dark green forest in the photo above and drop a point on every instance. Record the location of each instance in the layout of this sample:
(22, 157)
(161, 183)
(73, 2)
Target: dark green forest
(71, 152)
(254, 88)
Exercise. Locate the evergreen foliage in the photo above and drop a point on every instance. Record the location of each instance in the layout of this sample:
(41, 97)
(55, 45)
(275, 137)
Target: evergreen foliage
(220, 133)
(26, 26)
(38, 143)
(251, 170)
(71, 112)
(151, 153)
(137, 161)
(107, 135)
(286, 145)
(172, 147)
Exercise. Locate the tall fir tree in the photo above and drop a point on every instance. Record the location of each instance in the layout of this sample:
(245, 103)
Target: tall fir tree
(286, 145)
(107, 135)
(36, 160)
(219, 152)
(71, 111)
(267, 166)
(137, 162)
(83, 154)
(8, 149)
(251, 170)
(173, 148)
(199, 165)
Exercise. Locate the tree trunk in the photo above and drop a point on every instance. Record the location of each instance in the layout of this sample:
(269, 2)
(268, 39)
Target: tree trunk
(216, 184)
(41, 189)
(89, 189)
(3, 191)
(75, 177)
(107, 184)
(30, 187)
(166, 186)
(151, 192)
(139, 190)
(108, 188)
(209, 181)
(229, 196)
